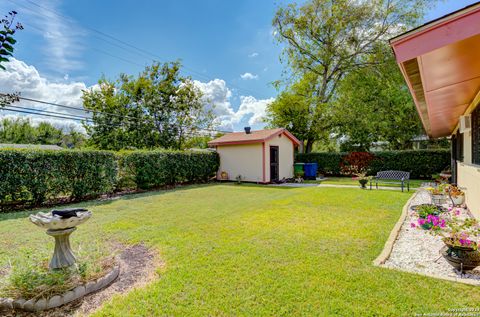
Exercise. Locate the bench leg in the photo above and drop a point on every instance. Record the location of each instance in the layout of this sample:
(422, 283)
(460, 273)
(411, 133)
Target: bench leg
(402, 186)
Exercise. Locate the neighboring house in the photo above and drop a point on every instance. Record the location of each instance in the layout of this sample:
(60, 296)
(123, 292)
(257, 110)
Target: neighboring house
(262, 156)
(440, 62)
(30, 146)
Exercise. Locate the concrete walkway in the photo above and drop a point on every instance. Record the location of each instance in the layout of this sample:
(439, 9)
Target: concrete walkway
(368, 187)
(336, 186)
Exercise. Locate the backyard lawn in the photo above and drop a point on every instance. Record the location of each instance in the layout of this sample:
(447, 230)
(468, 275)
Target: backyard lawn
(232, 250)
(414, 183)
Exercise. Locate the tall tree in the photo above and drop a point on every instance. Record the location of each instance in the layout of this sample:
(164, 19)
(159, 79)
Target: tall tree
(373, 104)
(297, 109)
(330, 38)
(159, 108)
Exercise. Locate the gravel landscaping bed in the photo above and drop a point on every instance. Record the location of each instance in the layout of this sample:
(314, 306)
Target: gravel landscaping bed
(416, 250)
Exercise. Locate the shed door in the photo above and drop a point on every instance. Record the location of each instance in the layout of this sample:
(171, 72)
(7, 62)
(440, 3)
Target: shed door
(273, 163)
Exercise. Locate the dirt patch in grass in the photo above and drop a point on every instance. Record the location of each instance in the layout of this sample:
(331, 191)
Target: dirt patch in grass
(138, 266)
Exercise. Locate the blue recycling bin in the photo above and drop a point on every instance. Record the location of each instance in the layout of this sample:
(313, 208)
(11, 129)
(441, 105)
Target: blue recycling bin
(310, 170)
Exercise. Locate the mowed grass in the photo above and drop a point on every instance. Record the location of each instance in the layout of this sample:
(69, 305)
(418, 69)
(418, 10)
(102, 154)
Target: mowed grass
(414, 183)
(241, 250)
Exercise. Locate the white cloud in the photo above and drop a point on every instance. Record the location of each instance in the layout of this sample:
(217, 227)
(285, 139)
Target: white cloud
(23, 78)
(218, 97)
(253, 109)
(248, 76)
(254, 54)
(20, 77)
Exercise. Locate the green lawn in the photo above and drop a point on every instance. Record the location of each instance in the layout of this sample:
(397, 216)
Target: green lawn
(414, 183)
(241, 250)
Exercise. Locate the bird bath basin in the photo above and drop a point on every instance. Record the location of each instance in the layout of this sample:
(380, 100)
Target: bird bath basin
(60, 224)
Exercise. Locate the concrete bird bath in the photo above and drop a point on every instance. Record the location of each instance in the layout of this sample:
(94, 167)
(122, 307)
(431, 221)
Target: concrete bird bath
(60, 224)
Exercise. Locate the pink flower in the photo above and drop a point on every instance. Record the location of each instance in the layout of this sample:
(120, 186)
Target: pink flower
(450, 208)
(457, 212)
(421, 221)
(412, 225)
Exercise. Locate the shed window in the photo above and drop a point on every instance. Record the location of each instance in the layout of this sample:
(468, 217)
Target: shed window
(476, 136)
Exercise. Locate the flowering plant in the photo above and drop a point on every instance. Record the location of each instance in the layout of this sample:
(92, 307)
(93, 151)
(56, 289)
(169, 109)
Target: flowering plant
(461, 239)
(356, 163)
(432, 222)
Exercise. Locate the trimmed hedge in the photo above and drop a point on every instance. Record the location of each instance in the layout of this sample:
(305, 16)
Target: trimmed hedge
(40, 175)
(36, 176)
(420, 163)
(150, 169)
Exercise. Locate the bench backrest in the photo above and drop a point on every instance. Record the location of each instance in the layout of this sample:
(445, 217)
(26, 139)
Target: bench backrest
(393, 175)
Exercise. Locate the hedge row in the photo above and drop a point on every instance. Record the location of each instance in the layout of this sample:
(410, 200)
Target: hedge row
(37, 176)
(149, 169)
(420, 163)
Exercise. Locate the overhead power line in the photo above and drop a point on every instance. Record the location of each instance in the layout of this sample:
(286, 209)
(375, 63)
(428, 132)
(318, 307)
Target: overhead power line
(126, 46)
(48, 114)
(84, 110)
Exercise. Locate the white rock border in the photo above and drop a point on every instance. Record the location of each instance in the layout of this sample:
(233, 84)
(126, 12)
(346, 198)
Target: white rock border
(78, 292)
(384, 256)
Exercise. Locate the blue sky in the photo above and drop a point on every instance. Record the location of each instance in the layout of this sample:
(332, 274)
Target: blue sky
(226, 45)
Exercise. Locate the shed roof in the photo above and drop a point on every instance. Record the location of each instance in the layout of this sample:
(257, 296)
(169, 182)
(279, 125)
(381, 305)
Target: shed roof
(258, 136)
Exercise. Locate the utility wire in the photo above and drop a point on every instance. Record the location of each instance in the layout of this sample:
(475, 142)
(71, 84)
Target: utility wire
(85, 110)
(143, 51)
(60, 115)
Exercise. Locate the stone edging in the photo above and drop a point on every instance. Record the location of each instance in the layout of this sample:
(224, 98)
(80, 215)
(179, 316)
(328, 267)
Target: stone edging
(387, 249)
(78, 292)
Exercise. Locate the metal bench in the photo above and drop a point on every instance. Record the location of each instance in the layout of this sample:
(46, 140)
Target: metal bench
(392, 177)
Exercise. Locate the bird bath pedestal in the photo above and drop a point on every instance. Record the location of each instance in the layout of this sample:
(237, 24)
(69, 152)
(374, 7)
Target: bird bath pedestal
(60, 224)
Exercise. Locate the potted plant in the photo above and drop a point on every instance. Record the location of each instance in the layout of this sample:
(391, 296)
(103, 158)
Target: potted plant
(461, 244)
(299, 176)
(362, 179)
(457, 195)
(423, 211)
(438, 194)
(461, 251)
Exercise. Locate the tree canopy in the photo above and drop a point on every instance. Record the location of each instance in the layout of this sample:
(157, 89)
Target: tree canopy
(328, 39)
(157, 109)
(22, 131)
(373, 104)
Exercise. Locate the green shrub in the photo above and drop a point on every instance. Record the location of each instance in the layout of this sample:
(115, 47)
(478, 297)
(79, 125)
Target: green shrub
(150, 169)
(420, 163)
(39, 175)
